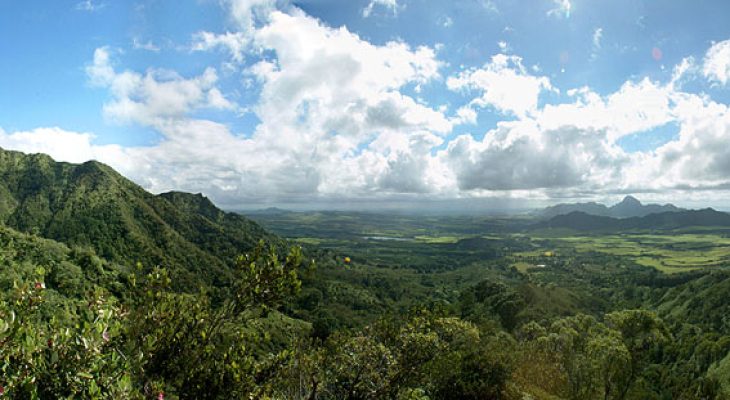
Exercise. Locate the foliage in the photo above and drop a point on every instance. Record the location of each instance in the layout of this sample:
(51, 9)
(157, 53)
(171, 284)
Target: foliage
(426, 307)
(72, 354)
(425, 356)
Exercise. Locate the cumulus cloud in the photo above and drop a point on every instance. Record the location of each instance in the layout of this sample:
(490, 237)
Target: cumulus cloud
(521, 155)
(699, 157)
(333, 120)
(465, 115)
(336, 122)
(63, 145)
(332, 81)
(156, 95)
(503, 84)
(247, 13)
(332, 98)
(716, 66)
(634, 107)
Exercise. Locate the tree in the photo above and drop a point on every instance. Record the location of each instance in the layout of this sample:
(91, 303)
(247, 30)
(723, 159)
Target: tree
(198, 350)
(641, 332)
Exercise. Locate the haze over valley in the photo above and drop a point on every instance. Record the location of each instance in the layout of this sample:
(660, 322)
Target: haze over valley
(365, 200)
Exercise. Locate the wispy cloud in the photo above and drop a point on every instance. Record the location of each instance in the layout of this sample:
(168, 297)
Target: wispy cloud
(562, 9)
(490, 6)
(89, 6)
(137, 44)
(391, 5)
(597, 37)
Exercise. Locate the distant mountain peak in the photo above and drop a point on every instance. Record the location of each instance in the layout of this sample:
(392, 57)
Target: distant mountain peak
(629, 207)
(656, 221)
(630, 200)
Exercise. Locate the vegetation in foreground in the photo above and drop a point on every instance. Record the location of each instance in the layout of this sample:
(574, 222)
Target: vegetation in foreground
(458, 309)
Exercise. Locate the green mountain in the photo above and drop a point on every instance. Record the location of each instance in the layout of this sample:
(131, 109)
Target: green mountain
(627, 208)
(500, 320)
(91, 205)
(702, 302)
(663, 221)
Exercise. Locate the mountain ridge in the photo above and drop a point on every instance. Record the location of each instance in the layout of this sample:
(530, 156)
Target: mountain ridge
(92, 205)
(626, 208)
(581, 221)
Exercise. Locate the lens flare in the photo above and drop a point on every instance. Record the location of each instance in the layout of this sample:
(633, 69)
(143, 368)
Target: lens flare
(656, 54)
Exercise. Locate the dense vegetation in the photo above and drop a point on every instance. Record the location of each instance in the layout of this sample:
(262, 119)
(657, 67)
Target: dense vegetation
(111, 292)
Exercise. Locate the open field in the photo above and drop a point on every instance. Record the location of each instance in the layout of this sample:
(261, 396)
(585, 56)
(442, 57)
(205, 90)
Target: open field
(445, 243)
(668, 253)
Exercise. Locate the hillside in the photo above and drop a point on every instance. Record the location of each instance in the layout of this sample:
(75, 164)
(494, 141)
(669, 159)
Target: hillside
(581, 221)
(91, 205)
(443, 308)
(627, 208)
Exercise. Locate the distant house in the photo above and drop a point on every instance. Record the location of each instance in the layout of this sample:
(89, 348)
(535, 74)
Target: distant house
(540, 266)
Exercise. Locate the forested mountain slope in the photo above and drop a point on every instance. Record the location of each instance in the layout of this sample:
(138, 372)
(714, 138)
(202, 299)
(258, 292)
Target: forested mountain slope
(92, 205)
(80, 318)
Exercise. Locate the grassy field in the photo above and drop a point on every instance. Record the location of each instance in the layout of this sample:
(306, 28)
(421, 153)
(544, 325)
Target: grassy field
(437, 243)
(668, 253)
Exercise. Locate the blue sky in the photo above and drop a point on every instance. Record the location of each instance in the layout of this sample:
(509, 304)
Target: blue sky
(299, 103)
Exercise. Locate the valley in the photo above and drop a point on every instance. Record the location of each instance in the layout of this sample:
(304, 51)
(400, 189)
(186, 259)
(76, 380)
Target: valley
(111, 291)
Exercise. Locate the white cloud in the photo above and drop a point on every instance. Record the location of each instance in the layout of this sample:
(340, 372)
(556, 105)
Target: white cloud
(635, 107)
(64, 145)
(391, 5)
(247, 16)
(246, 13)
(336, 122)
(157, 95)
(504, 84)
(699, 158)
(685, 68)
(520, 155)
(716, 66)
(331, 98)
(331, 80)
(235, 43)
(562, 9)
(466, 115)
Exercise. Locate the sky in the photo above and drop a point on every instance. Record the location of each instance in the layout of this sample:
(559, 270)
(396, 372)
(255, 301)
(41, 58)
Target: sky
(378, 103)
